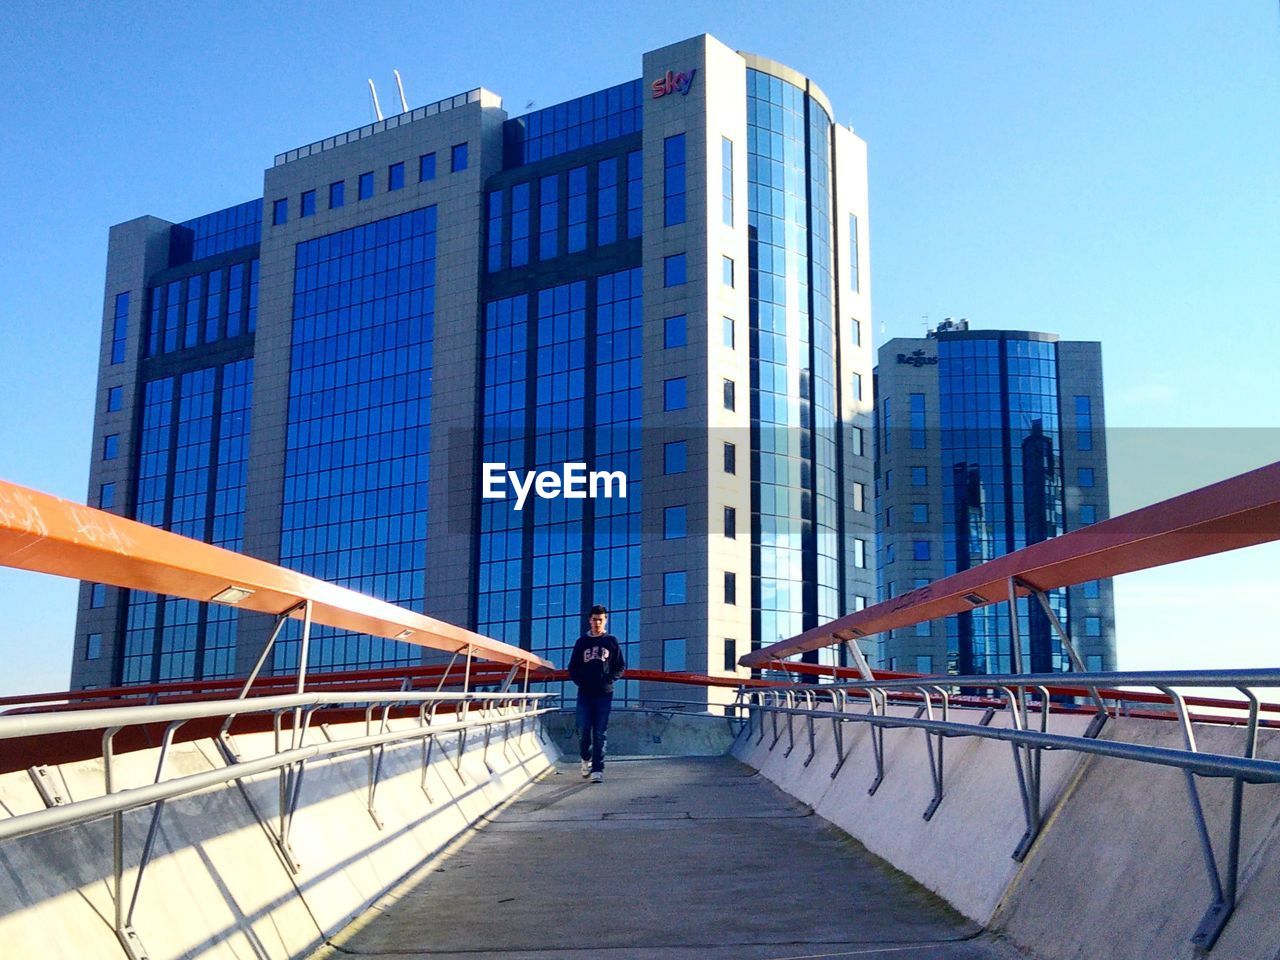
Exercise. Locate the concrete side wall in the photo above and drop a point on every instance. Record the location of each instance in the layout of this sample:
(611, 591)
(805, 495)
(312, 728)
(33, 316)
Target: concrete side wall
(1121, 864)
(1116, 872)
(217, 886)
(963, 853)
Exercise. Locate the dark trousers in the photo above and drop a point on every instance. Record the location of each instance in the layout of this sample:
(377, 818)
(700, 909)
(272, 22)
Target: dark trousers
(593, 721)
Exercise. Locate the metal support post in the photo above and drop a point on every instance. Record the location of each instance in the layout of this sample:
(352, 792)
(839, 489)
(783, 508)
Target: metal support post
(1076, 662)
(1015, 633)
(1224, 889)
(1028, 770)
(879, 707)
(934, 743)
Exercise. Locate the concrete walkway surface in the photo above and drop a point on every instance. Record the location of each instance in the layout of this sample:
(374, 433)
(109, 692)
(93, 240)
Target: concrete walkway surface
(671, 859)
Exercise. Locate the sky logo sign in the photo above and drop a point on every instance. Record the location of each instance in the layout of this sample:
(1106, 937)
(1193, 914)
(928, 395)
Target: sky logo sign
(673, 83)
(572, 483)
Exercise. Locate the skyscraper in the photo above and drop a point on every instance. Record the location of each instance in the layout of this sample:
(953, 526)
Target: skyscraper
(354, 375)
(988, 441)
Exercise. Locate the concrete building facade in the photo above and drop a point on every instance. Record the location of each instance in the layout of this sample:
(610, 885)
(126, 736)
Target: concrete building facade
(666, 279)
(988, 441)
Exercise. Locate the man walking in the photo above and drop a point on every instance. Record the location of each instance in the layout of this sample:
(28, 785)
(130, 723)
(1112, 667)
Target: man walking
(596, 662)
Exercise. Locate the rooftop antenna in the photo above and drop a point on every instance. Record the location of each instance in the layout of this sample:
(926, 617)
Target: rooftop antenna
(404, 104)
(377, 108)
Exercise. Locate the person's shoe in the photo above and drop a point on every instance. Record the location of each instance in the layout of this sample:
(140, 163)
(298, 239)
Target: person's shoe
(585, 767)
(597, 776)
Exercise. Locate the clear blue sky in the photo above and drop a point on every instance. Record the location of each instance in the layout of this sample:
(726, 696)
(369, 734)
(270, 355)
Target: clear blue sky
(1101, 170)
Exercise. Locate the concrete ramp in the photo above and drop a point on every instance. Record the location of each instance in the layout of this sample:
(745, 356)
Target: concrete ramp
(668, 859)
(218, 886)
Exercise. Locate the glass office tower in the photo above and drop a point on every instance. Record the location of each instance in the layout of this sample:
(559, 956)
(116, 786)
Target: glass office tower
(663, 280)
(989, 441)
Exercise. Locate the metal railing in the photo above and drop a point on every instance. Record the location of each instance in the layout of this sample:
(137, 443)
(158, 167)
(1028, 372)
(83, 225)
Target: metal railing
(1029, 702)
(291, 717)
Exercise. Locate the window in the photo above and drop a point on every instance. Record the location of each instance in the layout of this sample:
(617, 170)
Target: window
(855, 331)
(607, 201)
(888, 479)
(548, 216)
(730, 458)
(366, 185)
(855, 383)
(280, 211)
(426, 167)
(731, 523)
(674, 457)
(110, 446)
(731, 588)
(730, 654)
(1093, 663)
(308, 203)
(673, 191)
(1086, 476)
(726, 181)
(728, 334)
(521, 199)
(337, 194)
(1090, 589)
(859, 553)
(853, 252)
(674, 394)
(97, 596)
(729, 395)
(120, 328)
(673, 332)
(919, 476)
(93, 646)
(459, 157)
(917, 421)
(495, 230)
(673, 654)
(635, 193)
(577, 210)
(855, 440)
(395, 176)
(674, 523)
(115, 399)
(919, 513)
(1084, 423)
(673, 587)
(888, 518)
(1088, 513)
(859, 496)
(726, 271)
(1093, 626)
(673, 270)
(919, 549)
(107, 496)
(859, 603)
(890, 553)
(924, 664)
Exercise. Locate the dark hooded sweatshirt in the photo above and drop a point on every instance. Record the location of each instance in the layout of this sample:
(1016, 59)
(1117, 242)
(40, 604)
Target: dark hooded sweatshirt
(596, 662)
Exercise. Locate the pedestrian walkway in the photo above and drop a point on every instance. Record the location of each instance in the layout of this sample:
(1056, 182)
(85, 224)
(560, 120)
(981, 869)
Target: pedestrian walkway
(670, 859)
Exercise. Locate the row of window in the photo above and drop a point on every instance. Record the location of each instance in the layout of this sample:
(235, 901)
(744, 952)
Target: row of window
(366, 185)
(204, 308)
(585, 206)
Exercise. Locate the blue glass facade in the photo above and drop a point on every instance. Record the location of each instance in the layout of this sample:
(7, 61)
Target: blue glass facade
(358, 445)
(1001, 442)
(795, 563)
(565, 127)
(191, 480)
(217, 232)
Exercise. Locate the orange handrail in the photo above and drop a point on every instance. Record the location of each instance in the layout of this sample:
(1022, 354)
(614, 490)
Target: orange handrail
(47, 534)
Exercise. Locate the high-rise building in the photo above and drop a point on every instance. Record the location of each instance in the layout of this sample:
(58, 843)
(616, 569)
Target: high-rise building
(666, 279)
(988, 441)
